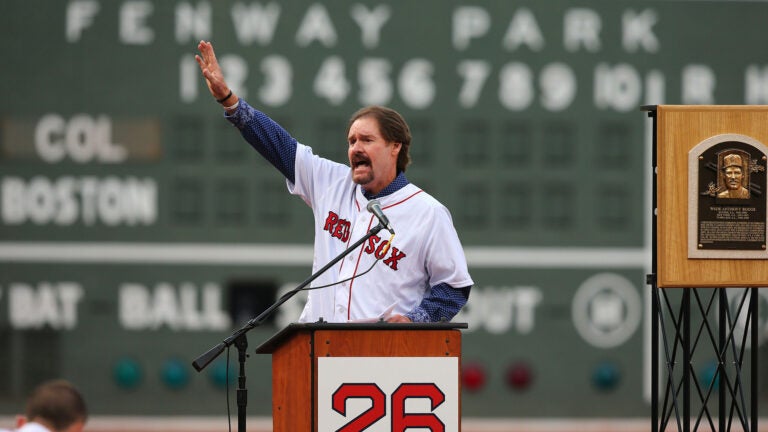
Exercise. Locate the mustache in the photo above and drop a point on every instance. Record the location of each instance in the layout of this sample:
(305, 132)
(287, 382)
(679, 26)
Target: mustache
(359, 158)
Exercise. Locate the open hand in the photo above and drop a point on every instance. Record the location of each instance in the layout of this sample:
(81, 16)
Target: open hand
(209, 66)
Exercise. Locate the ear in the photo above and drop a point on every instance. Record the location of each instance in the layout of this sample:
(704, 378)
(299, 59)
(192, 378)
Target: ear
(396, 148)
(20, 421)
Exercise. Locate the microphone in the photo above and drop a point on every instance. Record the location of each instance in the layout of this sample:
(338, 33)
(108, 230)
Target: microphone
(375, 207)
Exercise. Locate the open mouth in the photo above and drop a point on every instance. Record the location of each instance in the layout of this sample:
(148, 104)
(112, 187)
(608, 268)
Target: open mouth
(360, 162)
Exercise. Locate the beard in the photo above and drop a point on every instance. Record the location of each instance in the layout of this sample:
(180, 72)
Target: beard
(362, 178)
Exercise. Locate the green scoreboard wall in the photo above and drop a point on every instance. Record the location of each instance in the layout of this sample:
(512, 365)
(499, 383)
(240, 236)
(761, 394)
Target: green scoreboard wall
(138, 229)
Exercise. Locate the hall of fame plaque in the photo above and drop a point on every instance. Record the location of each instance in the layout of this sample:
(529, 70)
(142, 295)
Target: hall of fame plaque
(727, 198)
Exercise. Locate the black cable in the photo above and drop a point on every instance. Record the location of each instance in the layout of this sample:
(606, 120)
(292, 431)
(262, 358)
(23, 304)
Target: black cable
(389, 244)
(344, 280)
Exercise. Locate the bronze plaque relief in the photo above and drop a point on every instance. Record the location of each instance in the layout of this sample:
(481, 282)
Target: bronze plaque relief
(727, 190)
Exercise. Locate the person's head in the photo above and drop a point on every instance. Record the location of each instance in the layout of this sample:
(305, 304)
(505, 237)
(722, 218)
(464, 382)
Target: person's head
(379, 141)
(733, 171)
(57, 405)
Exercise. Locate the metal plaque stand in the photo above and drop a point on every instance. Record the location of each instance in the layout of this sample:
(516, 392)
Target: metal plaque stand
(702, 376)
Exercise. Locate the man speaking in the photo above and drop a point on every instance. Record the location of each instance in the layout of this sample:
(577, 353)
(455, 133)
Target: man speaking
(422, 275)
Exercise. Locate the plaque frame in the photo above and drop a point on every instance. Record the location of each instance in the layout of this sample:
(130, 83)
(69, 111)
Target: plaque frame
(694, 199)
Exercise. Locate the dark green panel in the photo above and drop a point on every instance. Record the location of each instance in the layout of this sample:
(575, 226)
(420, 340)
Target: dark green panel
(532, 138)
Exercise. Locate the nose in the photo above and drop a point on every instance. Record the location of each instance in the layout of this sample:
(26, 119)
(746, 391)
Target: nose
(355, 147)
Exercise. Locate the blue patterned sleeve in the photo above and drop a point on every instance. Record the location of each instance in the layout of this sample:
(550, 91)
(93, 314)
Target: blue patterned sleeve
(273, 142)
(443, 302)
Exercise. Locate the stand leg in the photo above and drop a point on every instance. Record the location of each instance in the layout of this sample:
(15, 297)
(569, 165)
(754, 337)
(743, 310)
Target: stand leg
(242, 393)
(651, 279)
(753, 304)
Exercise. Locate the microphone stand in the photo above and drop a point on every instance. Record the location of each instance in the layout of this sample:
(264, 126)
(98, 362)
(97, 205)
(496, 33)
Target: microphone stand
(240, 341)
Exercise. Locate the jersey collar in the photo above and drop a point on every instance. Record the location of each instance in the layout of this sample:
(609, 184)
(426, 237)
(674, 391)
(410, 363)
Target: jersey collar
(398, 183)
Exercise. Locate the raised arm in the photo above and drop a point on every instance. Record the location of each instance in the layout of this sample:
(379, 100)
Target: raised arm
(274, 143)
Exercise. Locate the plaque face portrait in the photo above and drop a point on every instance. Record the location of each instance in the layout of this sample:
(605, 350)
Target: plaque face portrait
(727, 198)
(733, 168)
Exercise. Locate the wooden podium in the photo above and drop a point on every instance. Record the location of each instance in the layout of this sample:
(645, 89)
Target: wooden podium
(351, 376)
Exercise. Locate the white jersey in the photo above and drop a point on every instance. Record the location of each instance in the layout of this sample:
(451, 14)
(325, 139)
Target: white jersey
(425, 251)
